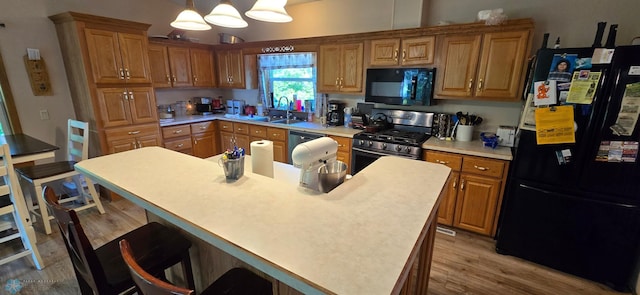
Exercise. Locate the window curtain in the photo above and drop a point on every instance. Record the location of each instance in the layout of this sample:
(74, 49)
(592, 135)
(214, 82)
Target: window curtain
(267, 62)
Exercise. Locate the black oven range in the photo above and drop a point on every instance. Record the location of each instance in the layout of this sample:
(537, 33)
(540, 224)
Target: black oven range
(408, 131)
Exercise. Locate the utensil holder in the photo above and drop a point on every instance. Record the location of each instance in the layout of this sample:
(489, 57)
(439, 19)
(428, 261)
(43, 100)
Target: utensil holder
(464, 132)
(233, 168)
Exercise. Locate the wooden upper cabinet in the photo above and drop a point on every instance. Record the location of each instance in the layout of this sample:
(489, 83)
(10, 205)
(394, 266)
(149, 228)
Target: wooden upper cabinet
(407, 51)
(180, 63)
(202, 67)
(159, 64)
(126, 106)
(230, 69)
(118, 57)
(484, 66)
(340, 68)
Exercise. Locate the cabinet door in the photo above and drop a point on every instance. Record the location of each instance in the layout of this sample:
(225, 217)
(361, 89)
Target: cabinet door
(142, 104)
(104, 56)
(458, 63)
(180, 63)
(447, 207)
(501, 64)
(159, 65)
(280, 151)
(242, 141)
(476, 203)
(149, 140)
(134, 52)
(202, 67)
(221, 66)
(113, 104)
(204, 145)
(351, 68)
(226, 141)
(384, 52)
(329, 68)
(417, 51)
(235, 65)
(120, 145)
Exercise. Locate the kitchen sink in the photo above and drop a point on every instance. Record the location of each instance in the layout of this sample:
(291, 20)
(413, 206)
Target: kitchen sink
(287, 121)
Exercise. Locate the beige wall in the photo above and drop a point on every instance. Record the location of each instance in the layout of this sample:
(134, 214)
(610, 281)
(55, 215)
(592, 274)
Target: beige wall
(27, 26)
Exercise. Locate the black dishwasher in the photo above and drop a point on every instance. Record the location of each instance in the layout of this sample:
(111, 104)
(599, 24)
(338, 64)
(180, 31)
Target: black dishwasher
(298, 137)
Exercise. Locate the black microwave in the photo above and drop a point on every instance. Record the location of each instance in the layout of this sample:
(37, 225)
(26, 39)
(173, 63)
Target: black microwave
(400, 86)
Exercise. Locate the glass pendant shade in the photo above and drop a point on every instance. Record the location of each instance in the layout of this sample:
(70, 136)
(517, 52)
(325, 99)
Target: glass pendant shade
(269, 11)
(189, 19)
(225, 15)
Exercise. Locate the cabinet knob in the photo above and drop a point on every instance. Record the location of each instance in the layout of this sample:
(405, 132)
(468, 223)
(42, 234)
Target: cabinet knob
(121, 74)
(395, 55)
(442, 162)
(470, 84)
(177, 131)
(180, 145)
(404, 55)
(195, 79)
(174, 79)
(203, 127)
(130, 95)
(462, 185)
(135, 145)
(134, 132)
(168, 79)
(455, 183)
(480, 84)
(125, 95)
(126, 71)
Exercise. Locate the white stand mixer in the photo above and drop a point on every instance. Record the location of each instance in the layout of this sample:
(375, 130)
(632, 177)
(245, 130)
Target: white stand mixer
(312, 155)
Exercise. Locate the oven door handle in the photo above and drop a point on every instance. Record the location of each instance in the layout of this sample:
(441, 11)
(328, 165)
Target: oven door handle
(369, 152)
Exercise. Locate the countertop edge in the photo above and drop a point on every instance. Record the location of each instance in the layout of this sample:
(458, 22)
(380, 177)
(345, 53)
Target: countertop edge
(471, 148)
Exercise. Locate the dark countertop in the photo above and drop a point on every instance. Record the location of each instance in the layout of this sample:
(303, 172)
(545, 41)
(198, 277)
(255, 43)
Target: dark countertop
(24, 145)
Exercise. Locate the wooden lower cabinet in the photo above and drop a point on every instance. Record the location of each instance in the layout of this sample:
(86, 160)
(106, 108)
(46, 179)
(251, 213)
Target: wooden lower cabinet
(197, 139)
(344, 150)
(203, 136)
(474, 191)
(132, 137)
(234, 134)
(277, 135)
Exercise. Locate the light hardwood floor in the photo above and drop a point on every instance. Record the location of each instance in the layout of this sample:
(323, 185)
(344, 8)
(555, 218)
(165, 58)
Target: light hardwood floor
(464, 264)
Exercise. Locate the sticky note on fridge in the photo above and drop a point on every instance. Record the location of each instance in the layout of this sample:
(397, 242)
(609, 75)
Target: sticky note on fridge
(545, 93)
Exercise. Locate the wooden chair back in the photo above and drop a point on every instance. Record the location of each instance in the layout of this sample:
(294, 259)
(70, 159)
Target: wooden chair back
(146, 283)
(77, 140)
(85, 261)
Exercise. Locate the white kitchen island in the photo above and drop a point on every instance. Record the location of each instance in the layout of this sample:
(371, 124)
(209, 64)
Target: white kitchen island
(361, 238)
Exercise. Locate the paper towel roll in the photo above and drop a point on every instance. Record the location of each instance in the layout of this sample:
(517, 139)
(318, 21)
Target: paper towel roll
(262, 157)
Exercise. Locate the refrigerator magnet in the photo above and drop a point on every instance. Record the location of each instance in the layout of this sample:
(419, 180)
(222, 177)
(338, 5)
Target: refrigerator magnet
(545, 93)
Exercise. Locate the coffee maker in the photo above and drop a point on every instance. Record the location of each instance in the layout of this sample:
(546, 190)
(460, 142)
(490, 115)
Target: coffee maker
(335, 113)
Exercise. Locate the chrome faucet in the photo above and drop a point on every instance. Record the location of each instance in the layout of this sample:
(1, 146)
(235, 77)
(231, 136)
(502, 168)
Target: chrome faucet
(280, 100)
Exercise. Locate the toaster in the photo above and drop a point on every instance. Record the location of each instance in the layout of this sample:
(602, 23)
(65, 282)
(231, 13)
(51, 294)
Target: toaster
(506, 136)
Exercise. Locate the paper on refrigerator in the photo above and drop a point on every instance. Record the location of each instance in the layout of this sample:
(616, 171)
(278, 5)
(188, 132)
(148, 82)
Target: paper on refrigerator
(629, 111)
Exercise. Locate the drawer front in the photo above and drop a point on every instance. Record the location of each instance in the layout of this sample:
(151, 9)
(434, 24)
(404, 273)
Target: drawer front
(241, 128)
(344, 143)
(258, 131)
(226, 126)
(176, 131)
(452, 161)
(203, 127)
(178, 144)
(132, 131)
(483, 166)
(276, 134)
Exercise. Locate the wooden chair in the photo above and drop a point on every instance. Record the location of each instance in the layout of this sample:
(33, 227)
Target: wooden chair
(12, 203)
(237, 281)
(102, 270)
(38, 175)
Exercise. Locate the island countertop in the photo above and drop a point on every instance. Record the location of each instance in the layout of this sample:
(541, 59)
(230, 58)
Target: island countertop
(360, 238)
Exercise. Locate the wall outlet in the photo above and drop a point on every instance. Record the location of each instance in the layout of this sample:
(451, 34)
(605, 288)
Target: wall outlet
(44, 115)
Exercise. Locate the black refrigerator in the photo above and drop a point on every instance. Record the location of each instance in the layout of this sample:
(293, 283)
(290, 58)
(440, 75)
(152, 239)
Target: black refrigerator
(580, 213)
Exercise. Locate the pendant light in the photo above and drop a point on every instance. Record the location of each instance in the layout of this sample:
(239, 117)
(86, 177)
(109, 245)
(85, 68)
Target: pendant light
(190, 19)
(225, 15)
(269, 11)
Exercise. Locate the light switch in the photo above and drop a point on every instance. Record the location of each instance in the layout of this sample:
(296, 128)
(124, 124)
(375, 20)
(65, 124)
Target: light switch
(44, 115)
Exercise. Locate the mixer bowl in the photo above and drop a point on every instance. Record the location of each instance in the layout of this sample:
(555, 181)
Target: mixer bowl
(330, 175)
